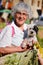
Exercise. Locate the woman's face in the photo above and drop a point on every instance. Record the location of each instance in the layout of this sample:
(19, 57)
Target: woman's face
(21, 18)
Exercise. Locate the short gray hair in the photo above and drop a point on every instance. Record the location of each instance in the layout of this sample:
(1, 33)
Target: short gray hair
(22, 6)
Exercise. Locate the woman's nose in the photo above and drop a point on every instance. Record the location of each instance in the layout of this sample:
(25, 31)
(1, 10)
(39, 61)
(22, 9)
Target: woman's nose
(19, 18)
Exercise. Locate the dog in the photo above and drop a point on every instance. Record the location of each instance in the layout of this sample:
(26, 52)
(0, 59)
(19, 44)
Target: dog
(31, 36)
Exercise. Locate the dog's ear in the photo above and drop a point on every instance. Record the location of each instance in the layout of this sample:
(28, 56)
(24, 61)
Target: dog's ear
(35, 28)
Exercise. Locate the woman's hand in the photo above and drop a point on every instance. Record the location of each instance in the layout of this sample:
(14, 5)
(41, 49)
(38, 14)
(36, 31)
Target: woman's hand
(12, 49)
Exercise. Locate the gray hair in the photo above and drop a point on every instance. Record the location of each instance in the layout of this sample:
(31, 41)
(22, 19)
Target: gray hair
(20, 7)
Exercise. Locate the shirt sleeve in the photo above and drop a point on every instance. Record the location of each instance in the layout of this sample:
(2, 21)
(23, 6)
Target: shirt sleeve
(5, 37)
(3, 32)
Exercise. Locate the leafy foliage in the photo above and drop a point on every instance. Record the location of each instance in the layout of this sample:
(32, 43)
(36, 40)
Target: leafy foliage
(12, 60)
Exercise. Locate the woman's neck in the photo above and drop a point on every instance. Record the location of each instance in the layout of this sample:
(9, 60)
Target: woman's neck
(22, 27)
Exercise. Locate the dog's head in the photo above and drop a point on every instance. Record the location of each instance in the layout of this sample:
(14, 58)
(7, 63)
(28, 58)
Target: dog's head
(32, 31)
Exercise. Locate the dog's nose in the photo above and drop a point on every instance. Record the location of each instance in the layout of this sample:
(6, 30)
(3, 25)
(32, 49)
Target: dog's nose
(31, 32)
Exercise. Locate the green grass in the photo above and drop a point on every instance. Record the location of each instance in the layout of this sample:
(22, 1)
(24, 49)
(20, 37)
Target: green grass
(40, 27)
(2, 25)
(38, 36)
(40, 40)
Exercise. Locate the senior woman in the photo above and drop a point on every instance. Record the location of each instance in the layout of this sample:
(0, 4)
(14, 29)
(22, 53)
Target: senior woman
(12, 43)
(20, 12)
